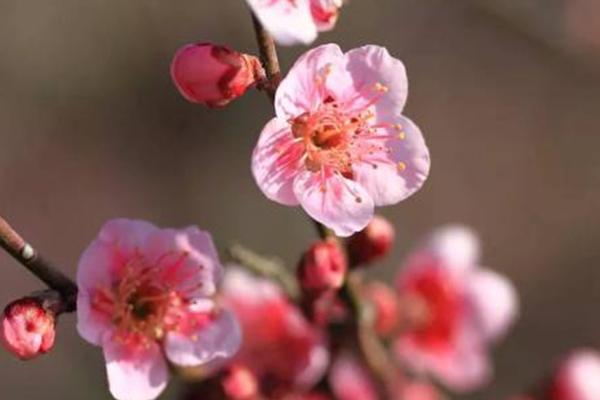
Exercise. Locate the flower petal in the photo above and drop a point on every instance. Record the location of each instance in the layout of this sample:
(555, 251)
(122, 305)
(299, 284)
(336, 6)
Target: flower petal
(494, 302)
(188, 257)
(350, 381)
(302, 88)
(372, 66)
(220, 339)
(392, 177)
(289, 22)
(138, 373)
(276, 162)
(336, 202)
(456, 246)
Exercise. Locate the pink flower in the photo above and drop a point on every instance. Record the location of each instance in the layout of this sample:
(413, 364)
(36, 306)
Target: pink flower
(296, 21)
(372, 243)
(578, 377)
(280, 347)
(145, 294)
(322, 267)
(457, 310)
(28, 330)
(213, 75)
(339, 144)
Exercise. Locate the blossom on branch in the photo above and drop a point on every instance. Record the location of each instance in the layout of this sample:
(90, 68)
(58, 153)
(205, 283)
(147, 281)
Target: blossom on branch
(577, 377)
(453, 310)
(28, 329)
(339, 144)
(145, 294)
(296, 21)
(280, 347)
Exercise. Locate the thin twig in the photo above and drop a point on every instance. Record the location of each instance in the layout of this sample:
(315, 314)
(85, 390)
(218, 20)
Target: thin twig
(25, 254)
(268, 57)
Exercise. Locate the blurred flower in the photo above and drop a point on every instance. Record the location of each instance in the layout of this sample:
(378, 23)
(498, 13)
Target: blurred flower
(28, 329)
(280, 347)
(296, 21)
(322, 267)
(457, 310)
(372, 243)
(577, 377)
(213, 75)
(145, 293)
(240, 383)
(349, 380)
(385, 303)
(339, 144)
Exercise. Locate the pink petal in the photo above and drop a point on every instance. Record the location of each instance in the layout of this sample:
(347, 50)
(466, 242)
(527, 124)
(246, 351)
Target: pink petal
(188, 257)
(456, 246)
(578, 377)
(220, 339)
(126, 234)
(372, 65)
(349, 380)
(300, 91)
(336, 202)
(135, 373)
(276, 162)
(397, 174)
(289, 22)
(239, 286)
(494, 302)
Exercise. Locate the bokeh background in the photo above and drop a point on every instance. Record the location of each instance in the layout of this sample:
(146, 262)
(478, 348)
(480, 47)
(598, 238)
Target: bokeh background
(507, 93)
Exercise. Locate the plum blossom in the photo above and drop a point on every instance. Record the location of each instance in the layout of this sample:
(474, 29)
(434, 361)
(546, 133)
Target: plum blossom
(577, 377)
(457, 310)
(296, 21)
(145, 296)
(339, 144)
(28, 329)
(280, 347)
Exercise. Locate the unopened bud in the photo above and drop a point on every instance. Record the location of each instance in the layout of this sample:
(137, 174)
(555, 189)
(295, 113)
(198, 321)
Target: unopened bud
(387, 310)
(240, 383)
(578, 377)
(213, 75)
(323, 267)
(373, 242)
(28, 329)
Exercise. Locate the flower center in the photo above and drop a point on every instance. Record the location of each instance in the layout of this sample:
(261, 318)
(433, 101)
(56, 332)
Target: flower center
(142, 305)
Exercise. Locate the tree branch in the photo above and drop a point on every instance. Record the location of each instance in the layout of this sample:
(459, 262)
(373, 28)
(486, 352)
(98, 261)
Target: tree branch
(25, 254)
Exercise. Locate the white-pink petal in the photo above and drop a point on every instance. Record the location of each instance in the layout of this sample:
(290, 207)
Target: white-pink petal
(338, 203)
(493, 301)
(455, 246)
(373, 65)
(289, 22)
(220, 339)
(302, 89)
(138, 373)
(276, 161)
(578, 377)
(391, 178)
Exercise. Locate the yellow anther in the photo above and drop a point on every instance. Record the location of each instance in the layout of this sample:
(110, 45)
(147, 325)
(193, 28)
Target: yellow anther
(381, 87)
(401, 166)
(402, 135)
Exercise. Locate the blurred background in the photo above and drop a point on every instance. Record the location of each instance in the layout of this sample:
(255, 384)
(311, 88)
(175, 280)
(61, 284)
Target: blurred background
(507, 94)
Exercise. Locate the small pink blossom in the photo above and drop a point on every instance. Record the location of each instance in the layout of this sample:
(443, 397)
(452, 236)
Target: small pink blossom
(457, 310)
(213, 75)
(145, 294)
(578, 377)
(372, 243)
(296, 21)
(339, 144)
(322, 267)
(280, 347)
(28, 330)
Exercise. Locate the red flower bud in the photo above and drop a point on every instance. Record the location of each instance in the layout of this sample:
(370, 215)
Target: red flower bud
(240, 384)
(373, 242)
(322, 267)
(28, 329)
(213, 75)
(387, 310)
